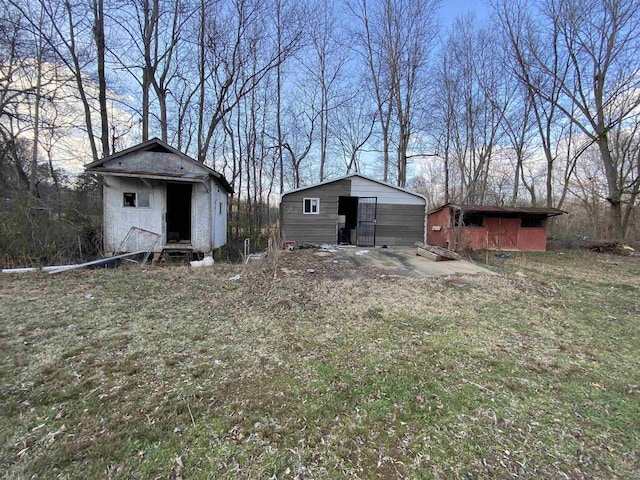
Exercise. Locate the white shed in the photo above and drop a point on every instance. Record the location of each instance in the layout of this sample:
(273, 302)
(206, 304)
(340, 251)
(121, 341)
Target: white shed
(156, 188)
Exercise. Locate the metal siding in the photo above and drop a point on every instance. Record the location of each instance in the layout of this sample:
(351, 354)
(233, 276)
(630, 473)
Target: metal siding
(361, 187)
(320, 228)
(400, 216)
(400, 225)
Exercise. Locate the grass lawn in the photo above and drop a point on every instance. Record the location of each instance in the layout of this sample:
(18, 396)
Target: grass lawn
(172, 372)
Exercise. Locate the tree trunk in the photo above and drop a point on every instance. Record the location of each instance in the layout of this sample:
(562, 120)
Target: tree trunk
(99, 39)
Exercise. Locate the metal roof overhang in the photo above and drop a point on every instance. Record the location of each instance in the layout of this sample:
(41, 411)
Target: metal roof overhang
(502, 211)
(512, 211)
(166, 176)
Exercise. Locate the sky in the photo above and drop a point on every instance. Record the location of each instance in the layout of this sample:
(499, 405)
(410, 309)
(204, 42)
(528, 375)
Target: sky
(454, 8)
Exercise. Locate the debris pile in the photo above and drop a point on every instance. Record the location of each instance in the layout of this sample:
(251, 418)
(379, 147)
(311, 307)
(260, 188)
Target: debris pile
(615, 248)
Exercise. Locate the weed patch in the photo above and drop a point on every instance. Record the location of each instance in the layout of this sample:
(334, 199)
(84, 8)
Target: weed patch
(532, 373)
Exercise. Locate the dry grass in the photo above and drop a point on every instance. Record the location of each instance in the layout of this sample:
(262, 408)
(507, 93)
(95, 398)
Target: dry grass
(180, 373)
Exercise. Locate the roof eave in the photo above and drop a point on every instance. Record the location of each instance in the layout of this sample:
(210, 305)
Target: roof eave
(351, 175)
(149, 176)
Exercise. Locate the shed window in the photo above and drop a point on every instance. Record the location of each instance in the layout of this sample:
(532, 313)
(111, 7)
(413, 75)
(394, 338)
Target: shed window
(144, 200)
(532, 222)
(129, 200)
(311, 206)
(470, 220)
(136, 199)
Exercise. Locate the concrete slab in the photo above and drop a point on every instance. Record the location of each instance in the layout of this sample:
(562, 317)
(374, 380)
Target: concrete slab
(405, 261)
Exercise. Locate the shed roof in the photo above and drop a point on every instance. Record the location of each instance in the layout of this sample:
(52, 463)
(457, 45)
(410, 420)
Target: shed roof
(351, 175)
(156, 145)
(498, 210)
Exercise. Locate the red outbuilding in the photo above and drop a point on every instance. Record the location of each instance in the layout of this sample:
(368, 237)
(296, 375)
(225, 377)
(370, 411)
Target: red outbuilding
(487, 227)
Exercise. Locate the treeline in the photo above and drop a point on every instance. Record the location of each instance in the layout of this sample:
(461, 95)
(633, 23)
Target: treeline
(536, 106)
(60, 223)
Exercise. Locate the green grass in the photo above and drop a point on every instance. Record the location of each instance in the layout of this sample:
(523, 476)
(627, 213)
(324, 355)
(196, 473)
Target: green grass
(180, 373)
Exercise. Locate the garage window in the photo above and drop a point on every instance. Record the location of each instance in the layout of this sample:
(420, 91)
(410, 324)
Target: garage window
(311, 206)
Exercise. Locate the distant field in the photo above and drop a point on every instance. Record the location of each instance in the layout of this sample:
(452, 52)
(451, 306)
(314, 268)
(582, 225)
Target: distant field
(172, 372)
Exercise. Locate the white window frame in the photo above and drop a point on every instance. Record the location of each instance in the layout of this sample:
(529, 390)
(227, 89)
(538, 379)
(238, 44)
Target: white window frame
(312, 201)
(136, 199)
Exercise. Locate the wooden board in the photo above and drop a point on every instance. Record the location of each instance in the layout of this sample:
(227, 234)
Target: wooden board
(444, 252)
(439, 251)
(430, 255)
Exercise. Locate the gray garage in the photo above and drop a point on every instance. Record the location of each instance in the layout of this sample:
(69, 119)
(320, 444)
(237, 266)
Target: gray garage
(355, 210)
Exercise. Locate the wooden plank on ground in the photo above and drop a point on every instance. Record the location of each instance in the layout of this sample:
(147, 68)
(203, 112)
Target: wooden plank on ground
(440, 251)
(427, 254)
(444, 252)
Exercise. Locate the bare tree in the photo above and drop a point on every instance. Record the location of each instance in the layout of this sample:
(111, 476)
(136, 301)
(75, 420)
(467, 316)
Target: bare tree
(325, 61)
(352, 127)
(475, 98)
(231, 37)
(396, 38)
(592, 76)
(371, 49)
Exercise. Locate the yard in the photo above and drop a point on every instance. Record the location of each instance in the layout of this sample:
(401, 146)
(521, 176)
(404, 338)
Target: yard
(172, 372)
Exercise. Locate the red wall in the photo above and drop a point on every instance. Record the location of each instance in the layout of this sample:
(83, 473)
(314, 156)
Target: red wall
(496, 233)
(442, 219)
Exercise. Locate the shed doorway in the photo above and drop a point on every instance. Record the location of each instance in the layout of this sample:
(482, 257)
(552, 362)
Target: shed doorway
(357, 221)
(179, 213)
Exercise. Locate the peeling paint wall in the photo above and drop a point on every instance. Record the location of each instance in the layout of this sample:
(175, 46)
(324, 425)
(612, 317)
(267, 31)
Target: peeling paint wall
(154, 161)
(208, 200)
(498, 233)
(118, 219)
(200, 218)
(219, 204)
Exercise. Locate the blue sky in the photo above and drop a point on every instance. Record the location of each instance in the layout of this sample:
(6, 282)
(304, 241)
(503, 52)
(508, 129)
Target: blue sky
(453, 8)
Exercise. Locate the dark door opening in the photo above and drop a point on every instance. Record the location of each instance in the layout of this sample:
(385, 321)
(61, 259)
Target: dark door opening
(347, 220)
(179, 213)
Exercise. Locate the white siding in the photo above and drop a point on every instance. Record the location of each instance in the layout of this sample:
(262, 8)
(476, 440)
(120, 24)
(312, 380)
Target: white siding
(118, 219)
(219, 200)
(361, 187)
(200, 218)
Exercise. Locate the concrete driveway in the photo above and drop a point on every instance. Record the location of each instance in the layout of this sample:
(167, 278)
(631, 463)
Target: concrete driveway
(404, 261)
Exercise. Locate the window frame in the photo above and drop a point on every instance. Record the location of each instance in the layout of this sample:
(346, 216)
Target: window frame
(133, 196)
(312, 201)
(136, 199)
